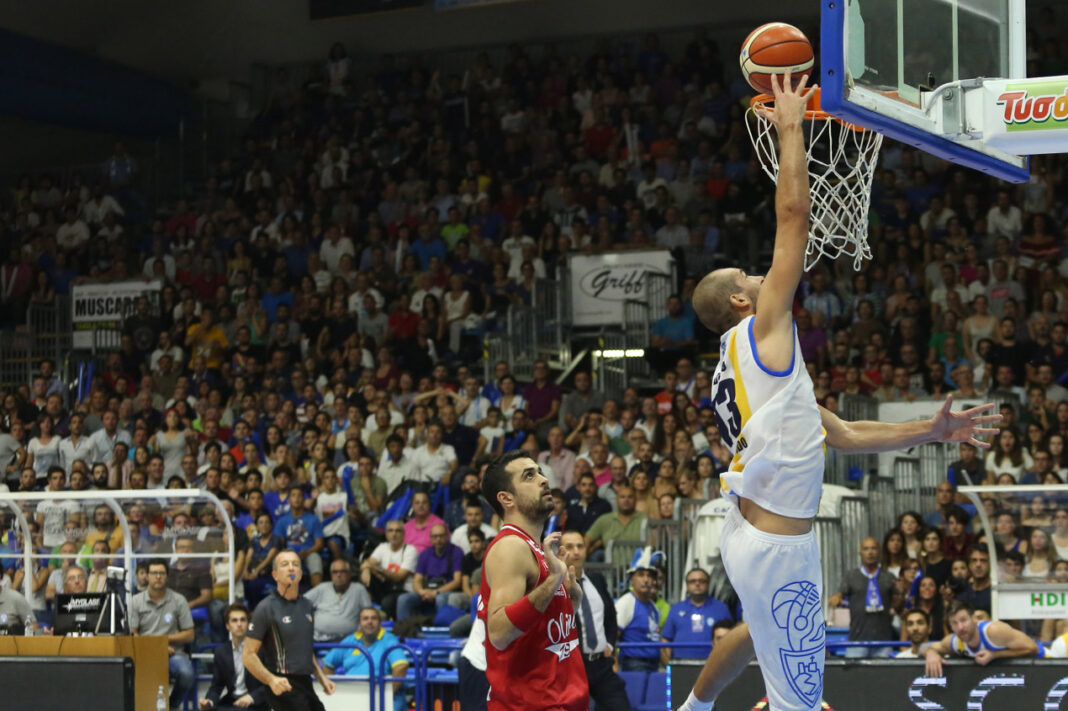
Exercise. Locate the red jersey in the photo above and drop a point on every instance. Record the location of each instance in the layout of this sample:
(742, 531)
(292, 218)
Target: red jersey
(542, 669)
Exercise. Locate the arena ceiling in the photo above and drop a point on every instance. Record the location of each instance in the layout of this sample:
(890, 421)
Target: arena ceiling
(199, 39)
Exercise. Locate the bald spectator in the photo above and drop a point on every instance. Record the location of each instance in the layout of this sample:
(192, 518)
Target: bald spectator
(870, 591)
(437, 578)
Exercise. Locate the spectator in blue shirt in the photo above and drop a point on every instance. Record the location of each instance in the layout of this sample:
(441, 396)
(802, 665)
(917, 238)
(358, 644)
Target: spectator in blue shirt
(692, 619)
(672, 336)
(638, 618)
(377, 641)
(303, 534)
(428, 245)
(277, 295)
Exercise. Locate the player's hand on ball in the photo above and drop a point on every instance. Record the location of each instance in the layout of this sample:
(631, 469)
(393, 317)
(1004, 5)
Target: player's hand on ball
(790, 103)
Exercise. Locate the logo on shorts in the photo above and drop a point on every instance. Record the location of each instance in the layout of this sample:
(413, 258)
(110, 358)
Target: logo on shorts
(796, 608)
(286, 620)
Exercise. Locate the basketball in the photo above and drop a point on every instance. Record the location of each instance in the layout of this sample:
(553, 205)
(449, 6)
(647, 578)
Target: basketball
(775, 48)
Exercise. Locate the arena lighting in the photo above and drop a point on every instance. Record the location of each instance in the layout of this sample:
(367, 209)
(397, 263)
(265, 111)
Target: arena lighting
(620, 353)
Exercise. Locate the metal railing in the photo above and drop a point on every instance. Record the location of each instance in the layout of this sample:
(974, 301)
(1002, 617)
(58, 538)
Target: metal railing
(551, 331)
(619, 553)
(23, 504)
(47, 334)
(669, 536)
(849, 469)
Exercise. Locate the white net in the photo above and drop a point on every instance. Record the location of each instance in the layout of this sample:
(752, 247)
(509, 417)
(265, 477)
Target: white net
(841, 164)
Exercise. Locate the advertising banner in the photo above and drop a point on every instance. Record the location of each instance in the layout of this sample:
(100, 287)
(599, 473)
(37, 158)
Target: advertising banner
(600, 283)
(900, 685)
(104, 306)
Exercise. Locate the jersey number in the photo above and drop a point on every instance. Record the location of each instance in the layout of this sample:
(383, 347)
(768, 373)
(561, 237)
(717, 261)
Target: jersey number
(728, 418)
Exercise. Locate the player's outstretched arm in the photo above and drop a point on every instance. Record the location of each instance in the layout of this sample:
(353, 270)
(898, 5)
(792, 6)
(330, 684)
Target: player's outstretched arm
(773, 327)
(1015, 642)
(867, 436)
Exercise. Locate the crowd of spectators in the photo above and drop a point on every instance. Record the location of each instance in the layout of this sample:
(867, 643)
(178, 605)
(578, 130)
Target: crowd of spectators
(312, 357)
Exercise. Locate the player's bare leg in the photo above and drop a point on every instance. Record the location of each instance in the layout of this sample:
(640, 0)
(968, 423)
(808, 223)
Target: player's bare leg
(729, 657)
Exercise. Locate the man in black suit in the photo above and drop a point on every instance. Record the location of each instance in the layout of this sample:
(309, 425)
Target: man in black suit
(242, 690)
(597, 630)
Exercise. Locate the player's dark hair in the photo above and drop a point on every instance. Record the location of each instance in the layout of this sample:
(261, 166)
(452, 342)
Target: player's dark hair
(958, 605)
(497, 479)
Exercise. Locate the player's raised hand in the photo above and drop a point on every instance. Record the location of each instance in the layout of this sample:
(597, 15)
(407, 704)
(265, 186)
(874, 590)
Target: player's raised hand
(551, 545)
(966, 425)
(790, 103)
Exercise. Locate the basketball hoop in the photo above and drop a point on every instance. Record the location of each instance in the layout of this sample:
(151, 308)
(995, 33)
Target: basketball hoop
(841, 164)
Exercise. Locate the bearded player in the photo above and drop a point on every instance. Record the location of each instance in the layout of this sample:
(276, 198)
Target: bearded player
(533, 656)
(767, 414)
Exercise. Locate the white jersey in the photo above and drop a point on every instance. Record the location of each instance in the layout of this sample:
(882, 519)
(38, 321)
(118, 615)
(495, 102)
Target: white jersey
(771, 423)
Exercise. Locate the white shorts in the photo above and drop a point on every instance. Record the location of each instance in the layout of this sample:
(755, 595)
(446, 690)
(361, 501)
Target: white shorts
(779, 582)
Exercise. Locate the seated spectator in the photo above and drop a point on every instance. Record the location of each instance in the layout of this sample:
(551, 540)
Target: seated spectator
(957, 540)
(982, 641)
(625, 523)
(969, 469)
(417, 528)
(437, 578)
(588, 507)
(434, 462)
(379, 644)
(15, 611)
(302, 533)
(473, 521)
(945, 493)
(387, 572)
(469, 489)
(337, 603)
(471, 565)
(977, 591)
(637, 615)
(264, 545)
(231, 686)
(1040, 556)
(162, 612)
(672, 336)
(692, 620)
(917, 631)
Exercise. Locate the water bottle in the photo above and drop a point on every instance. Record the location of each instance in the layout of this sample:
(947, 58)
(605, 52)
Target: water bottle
(161, 699)
(29, 630)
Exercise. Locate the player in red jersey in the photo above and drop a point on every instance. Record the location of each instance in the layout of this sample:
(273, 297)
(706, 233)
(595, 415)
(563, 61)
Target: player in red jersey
(533, 656)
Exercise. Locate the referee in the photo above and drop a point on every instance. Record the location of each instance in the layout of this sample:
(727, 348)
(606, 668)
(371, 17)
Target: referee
(283, 624)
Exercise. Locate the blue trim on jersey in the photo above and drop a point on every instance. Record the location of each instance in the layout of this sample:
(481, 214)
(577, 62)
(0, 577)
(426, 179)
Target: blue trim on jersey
(756, 357)
(985, 641)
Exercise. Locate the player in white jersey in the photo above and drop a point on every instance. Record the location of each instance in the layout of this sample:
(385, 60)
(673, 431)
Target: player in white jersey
(982, 641)
(767, 415)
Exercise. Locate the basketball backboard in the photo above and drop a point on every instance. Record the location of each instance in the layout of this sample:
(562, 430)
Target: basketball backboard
(922, 71)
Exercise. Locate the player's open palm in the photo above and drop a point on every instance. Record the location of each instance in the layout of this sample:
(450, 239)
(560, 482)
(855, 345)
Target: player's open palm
(964, 426)
(790, 102)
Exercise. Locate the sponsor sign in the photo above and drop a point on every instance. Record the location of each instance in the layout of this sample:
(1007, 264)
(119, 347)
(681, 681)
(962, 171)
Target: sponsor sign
(1033, 604)
(601, 283)
(893, 685)
(1034, 106)
(104, 306)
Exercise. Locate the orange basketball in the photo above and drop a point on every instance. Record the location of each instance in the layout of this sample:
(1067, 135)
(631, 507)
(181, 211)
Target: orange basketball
(775, 48)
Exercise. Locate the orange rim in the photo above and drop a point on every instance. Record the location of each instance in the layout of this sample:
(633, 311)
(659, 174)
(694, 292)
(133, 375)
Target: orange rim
(812, 113)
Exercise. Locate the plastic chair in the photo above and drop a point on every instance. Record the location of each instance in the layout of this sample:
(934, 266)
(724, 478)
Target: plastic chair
(635, 682)
(655, 693)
